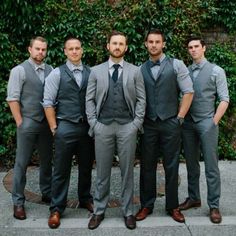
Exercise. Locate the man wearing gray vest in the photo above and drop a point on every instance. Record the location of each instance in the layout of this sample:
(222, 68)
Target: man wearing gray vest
(164, 78)
(115, 106)
(64, 105)
(200, 129)
(24, 94)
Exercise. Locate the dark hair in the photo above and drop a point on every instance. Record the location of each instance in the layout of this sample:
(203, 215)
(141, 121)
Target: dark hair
(115, 32)
(195, 37)
(39, 38)
(155, 31)
(71, 37)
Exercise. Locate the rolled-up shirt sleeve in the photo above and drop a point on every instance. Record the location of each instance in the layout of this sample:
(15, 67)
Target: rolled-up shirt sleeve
(219, 76)
(51, 87)
(183, 78)
(15, 83)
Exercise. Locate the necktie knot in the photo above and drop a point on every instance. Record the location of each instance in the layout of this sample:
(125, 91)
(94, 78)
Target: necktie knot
(116, 66)
(156, 63)
(115, 73)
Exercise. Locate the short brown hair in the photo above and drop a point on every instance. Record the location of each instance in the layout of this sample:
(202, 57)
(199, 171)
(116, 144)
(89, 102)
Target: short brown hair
(115, 32)
(39, 38)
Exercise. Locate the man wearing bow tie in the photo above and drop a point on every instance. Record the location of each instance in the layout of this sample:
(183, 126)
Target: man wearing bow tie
(115, 106)
(200, 130)
(24, 94)
(164, 78)
(64, 105)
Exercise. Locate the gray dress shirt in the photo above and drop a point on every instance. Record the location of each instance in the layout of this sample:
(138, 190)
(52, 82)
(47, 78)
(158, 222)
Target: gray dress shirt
(183, 78)
(17, 79)
(218, 76)
(52, 83)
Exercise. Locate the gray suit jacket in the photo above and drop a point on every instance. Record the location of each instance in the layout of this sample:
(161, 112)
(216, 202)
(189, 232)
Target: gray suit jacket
(133, 87)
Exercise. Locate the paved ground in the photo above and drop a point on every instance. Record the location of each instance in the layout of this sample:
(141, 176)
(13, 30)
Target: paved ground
(75, 220)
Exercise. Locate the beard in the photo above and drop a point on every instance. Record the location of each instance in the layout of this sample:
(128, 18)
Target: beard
(115, 53)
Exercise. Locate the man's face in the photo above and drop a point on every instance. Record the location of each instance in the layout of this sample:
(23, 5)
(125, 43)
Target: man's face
(196, 50)
(117, 46)
(38, 51)
(155, 45)
(73, 51)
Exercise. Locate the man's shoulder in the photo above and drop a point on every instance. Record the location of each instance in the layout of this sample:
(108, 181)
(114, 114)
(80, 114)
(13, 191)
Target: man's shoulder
(99, 66)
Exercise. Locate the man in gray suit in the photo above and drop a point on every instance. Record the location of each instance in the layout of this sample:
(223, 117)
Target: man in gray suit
(164, 78)
(24, 94)
(64, 105)
(200, 129)
(115, 106)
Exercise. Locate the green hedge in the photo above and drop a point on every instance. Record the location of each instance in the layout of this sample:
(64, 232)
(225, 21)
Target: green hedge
(92, 20)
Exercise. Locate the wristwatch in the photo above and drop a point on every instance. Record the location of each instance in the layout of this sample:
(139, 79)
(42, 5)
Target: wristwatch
(180, 119)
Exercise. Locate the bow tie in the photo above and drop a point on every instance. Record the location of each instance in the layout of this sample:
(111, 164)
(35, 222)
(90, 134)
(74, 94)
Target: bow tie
(195, 66)
(77, 69)
(40, 67)
(157, 63)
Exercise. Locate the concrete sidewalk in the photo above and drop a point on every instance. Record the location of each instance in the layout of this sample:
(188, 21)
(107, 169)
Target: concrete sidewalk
(75, 220)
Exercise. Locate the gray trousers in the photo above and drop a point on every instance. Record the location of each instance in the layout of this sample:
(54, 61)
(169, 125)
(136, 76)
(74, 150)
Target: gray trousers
(202, 137)
(107, 137)
(30, 135)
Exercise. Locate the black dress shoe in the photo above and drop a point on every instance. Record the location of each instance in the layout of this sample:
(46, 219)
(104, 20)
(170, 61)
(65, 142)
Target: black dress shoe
(87, 205)
(130, 222)
(46, 199)
(188, 203)
(95, 221)
(215, 216)
(19, 212)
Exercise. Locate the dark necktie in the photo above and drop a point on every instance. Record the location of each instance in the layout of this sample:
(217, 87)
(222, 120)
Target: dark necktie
(157, 63)
(115, 73)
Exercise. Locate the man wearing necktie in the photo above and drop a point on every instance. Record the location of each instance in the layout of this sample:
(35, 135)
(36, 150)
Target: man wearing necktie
(115, 106)
(165, 79)
(200, 130)
(64, 105)
(24, 94)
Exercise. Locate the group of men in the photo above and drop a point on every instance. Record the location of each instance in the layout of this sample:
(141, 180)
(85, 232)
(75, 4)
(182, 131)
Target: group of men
(100, 110)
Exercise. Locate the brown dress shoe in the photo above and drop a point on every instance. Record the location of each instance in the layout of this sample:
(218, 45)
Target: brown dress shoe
(87, 205)
(188, 203)
(54, 220)
(215, 216)
(95, 221)
(130, 222)
(143, 213)
(19, 212)
(177, 215)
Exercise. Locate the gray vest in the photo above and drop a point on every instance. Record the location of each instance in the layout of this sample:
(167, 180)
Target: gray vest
(161, 94)
(71, 97)
(115, 107)
(32, 92)
(203, 104)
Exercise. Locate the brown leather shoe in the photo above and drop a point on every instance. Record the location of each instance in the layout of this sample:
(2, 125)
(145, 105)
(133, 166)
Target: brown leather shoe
(54, 220)
(143, 213)
(95, 221)
(215, 216)
(87, 205)
(19, 212)
(130, 222)
(188, 203)
(177, 215)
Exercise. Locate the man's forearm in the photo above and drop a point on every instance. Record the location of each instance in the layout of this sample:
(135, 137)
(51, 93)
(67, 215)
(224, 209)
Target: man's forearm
(220, 111)
(51, 118)
(185, 104)
(15, 110)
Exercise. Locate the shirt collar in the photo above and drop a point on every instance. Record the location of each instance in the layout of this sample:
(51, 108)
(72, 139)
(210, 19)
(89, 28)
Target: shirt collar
(163, 56)
(111, 63)
(73, 67)
(36, 66)
(199, 65)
